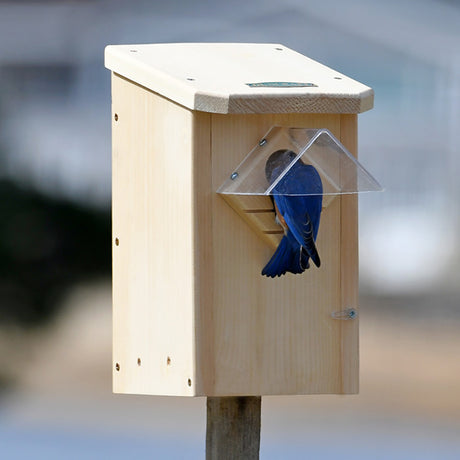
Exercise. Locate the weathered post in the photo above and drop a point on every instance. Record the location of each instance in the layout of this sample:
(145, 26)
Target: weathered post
(233, 427)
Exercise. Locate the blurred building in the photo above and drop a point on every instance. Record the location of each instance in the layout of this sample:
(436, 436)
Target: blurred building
(55, 97)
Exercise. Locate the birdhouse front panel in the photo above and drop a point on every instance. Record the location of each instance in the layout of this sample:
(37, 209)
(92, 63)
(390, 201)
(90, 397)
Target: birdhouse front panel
(284, 339)
(192, 312)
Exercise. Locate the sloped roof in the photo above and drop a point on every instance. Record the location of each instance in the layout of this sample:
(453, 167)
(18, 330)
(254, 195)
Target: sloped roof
(239, 78)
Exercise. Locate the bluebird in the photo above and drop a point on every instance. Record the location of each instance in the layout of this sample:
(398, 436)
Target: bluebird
(299, 215)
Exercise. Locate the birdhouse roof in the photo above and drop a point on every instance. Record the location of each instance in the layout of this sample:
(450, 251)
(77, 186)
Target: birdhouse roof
(239, 78)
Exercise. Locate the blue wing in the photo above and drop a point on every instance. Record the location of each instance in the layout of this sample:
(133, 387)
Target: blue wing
(297, 211)
(302, 216)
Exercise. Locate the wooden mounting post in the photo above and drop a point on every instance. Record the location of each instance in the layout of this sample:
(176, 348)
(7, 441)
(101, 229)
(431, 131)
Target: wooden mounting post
(233, 427)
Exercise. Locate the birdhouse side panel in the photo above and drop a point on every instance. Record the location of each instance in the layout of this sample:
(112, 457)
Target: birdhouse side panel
(349, 260)
(153, 292)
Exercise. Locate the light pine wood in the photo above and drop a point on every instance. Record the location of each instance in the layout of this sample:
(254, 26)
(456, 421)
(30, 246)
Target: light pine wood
(233, 428)
(275, 336)
(189, 299)
(214, 77)
(259, 214)
(349, 266)
(153, 263)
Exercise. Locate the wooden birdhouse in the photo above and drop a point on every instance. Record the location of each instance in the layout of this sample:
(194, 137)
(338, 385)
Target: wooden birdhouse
(194, 224)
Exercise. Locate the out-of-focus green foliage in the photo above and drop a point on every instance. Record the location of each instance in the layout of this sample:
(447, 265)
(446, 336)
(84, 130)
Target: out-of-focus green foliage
(46, 245)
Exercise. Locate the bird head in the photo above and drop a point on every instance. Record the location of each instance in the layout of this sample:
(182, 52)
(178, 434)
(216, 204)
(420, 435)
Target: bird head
(277, 163)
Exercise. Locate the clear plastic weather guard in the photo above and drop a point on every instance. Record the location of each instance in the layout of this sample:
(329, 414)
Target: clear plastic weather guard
(340, 172)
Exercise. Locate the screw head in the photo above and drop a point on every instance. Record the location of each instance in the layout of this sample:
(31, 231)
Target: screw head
(262, 142)
(234, 176)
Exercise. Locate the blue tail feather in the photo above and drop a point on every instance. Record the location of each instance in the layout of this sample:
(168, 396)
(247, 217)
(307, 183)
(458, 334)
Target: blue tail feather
(287, 258)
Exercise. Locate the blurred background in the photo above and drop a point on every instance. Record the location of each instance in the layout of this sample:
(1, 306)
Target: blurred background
(55, 292)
